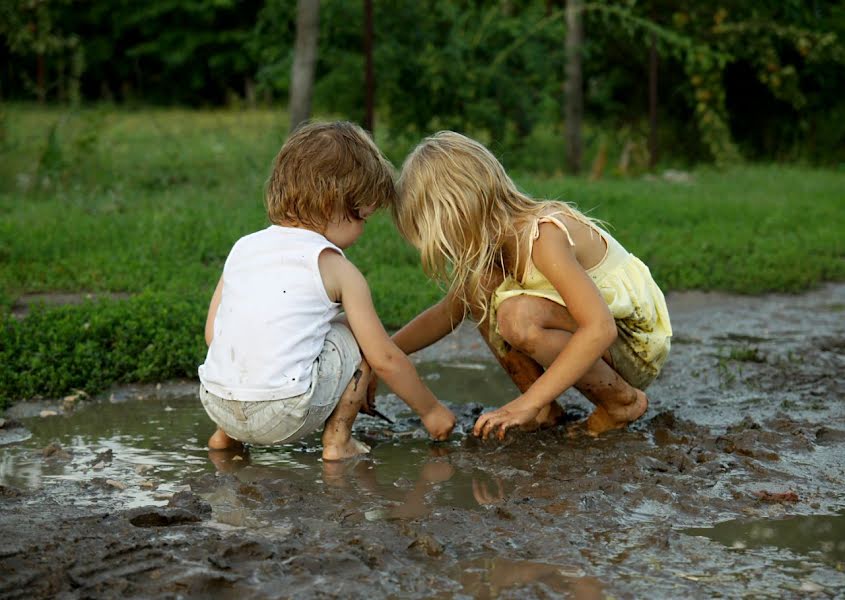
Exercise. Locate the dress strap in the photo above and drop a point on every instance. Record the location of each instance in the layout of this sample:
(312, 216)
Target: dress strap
(535, 233)
(535, 230)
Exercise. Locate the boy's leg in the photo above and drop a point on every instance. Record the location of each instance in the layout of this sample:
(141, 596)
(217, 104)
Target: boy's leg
(541, 328)
(338, 442)
(220, 441)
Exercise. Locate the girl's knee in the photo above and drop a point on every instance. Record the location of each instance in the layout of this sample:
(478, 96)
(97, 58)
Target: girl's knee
(519, 321)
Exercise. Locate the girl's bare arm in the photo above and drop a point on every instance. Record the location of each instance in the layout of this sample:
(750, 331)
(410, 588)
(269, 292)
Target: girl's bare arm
(429, 326)
(555, 258)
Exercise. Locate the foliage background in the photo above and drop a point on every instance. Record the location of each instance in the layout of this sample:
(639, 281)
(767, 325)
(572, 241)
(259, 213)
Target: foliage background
(135, 139)
(759, 79)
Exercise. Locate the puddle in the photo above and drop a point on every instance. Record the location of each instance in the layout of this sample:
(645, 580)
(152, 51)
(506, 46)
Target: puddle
(819, 536)
(121, 498)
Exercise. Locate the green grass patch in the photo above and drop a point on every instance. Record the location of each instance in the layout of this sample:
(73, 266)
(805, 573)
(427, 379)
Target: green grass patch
(150, 201)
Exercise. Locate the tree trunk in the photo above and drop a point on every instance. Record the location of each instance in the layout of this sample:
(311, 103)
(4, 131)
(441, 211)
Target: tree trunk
(653, 149)
(304, 61)
(573, 88)
(40, 79)
(369, 77)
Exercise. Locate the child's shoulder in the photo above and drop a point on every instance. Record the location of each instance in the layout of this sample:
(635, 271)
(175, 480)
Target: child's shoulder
(558, 214)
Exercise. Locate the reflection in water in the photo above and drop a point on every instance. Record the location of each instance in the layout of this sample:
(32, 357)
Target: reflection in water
(402, 498)
(486, 578)
(819, 535)
(153, 446)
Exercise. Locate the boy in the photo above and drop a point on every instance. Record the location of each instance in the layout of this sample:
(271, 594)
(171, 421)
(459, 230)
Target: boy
(281, 360)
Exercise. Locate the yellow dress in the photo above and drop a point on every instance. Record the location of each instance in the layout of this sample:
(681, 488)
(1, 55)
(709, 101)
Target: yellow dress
(634, 300)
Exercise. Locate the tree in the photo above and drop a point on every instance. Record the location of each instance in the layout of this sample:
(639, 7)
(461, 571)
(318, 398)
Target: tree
(573, 88)
(304, 61)
(369, 78)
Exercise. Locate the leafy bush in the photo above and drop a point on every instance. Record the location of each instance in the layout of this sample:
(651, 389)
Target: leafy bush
(90, 346)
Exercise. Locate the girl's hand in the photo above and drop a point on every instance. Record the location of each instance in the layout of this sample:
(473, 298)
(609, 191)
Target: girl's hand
(510, 415)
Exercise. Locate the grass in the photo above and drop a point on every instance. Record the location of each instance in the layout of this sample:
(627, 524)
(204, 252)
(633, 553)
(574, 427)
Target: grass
(150, 201)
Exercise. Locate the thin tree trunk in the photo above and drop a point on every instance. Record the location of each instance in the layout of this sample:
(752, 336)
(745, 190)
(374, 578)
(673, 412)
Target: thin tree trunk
(40, 79)
(304, 61)
(573, 88)
(369, 77)
(653, 149)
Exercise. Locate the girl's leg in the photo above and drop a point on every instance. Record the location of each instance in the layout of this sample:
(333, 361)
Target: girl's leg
(523, 371)
(541, 328)
(338, 442)
(521, 368)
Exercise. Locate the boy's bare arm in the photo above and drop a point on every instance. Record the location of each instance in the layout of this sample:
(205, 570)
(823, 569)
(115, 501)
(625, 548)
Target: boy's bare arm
(212, 311)
(429, 326)
(387, 360)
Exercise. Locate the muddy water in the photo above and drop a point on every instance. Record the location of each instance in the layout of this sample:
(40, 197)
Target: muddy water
(732, 485)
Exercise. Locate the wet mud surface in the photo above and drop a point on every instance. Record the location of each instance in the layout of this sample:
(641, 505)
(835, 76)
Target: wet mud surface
(733, 485)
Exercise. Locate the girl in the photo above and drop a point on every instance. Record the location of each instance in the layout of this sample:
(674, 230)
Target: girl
(560, 302)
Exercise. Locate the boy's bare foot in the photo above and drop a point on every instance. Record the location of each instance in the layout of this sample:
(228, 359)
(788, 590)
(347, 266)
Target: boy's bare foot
(618, 416)
(220, 441)
(344, 450)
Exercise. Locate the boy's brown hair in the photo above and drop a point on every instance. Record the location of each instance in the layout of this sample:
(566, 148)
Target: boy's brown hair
(328, 169)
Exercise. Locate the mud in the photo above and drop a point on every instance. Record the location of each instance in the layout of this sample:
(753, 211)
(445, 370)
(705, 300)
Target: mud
(732, 485)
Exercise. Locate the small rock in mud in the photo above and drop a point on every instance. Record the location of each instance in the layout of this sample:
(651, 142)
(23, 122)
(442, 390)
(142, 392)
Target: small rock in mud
(427, 544)
(55, 451)
(105, 457)
(191, 502)
(9, 492)
(504, 513)
(47, 413)
(776, 497)
(13, 432)
(107, 484)
(826, 436)
(69, 402)
(153, 516)
(147, 484)
(141, 469)
(242, 552)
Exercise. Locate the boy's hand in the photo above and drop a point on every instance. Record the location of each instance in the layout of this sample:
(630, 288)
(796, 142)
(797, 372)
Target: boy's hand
(439, 422)
(510, 415)
(370, 404)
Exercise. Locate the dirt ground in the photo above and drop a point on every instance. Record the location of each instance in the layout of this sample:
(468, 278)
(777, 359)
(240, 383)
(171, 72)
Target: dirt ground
(733, 484)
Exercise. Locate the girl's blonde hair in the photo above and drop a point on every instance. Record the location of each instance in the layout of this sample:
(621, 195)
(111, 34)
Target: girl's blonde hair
(458, 207)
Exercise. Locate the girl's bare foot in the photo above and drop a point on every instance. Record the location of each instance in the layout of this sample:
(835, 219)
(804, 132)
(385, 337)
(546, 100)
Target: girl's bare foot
(344, 450)
(617, 416)
(549, 416)
(220, 441)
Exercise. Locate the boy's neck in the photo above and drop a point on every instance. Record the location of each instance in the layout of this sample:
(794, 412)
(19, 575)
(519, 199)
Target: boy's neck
(298, 225)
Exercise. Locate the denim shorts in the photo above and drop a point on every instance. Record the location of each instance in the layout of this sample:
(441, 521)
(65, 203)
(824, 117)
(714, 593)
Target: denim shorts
(267, 422)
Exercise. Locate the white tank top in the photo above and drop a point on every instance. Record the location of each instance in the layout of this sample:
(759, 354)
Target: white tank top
(273, 317)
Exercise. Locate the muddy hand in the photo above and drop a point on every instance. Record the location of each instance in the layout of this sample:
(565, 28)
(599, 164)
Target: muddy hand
(369, 406)
(439, 422)
(502, 419)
